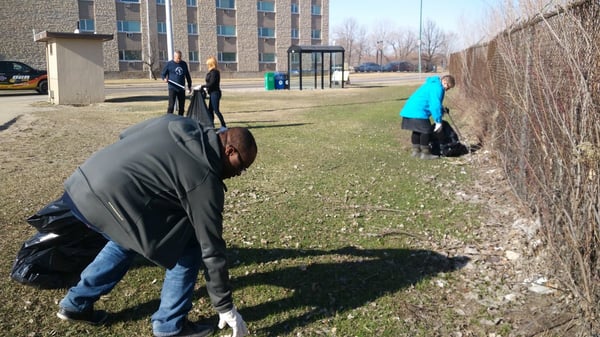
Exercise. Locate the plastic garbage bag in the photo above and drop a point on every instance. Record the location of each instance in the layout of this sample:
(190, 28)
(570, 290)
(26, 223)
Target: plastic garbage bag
(55, 256)
(198, 109)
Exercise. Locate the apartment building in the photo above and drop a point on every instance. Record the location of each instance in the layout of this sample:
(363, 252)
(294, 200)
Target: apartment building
(246, 36)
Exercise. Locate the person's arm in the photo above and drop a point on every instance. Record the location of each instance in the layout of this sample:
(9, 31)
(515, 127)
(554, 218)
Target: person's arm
(188, 77)
(205, 207)
(165, 73)
(436, 96)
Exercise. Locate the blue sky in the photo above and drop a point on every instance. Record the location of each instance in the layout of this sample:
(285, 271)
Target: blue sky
(463, 17)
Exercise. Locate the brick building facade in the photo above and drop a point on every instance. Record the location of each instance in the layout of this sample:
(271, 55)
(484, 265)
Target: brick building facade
(246, 36)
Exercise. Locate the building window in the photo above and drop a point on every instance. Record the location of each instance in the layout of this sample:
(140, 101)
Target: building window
(161, 27)
(295, 8)
(315, 34)
(226, 4)
(266, 57)
(193, 56)
(130, 55)
(130, 1)
(226, 30)
(295, 33)
(160, 2)
(162, 55)
(86, 25)
(192, 28)
(227, 57)
(191, 3)
(265, 6)
(129, 26)
(315, 10)
(266, 32)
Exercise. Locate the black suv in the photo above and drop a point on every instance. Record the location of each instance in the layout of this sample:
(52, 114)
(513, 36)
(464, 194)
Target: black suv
(16, 75)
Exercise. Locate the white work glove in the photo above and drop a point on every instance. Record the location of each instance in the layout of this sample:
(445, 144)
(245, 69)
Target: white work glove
(235, 321)
(438, 127)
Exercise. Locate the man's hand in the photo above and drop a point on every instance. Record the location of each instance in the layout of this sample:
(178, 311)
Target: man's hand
(437, 128)
(235, 321)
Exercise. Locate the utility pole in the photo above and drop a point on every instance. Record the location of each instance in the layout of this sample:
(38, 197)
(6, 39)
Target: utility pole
(379, 56)
(169, 24)
(420, 35)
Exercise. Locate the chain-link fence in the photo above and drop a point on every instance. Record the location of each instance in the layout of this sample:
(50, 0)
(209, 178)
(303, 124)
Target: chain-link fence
(540, 86)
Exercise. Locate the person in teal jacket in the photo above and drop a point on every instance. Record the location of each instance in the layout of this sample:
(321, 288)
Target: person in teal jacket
(423, 104)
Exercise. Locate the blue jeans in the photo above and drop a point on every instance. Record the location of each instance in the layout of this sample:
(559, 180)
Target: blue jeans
(112, 263)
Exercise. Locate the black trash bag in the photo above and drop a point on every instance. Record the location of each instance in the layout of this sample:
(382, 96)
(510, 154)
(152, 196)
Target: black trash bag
(56, 255)
(198, 110)
(446, 142)
(55, 217)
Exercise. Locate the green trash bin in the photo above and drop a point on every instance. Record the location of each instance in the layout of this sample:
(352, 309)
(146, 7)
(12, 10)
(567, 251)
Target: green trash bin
(269, 80)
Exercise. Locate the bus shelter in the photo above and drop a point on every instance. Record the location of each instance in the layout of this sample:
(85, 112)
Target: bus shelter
(316, 67)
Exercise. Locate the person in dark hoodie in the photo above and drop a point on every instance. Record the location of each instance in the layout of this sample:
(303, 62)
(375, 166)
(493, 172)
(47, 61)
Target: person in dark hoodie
(423, 104)
(159, 192)
(175, 73)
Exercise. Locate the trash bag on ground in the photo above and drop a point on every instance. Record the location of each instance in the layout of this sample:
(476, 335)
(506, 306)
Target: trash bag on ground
(446, 142)
(55, 256)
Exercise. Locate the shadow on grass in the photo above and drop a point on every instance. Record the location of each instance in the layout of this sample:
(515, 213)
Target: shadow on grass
(133, 99)
(8, 124)
(360, 277)
(328, 288)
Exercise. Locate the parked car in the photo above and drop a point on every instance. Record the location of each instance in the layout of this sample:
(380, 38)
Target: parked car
(16, 75)
(367, 67)
(399, 66)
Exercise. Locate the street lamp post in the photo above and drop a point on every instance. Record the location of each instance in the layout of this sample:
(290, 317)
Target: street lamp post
(420, 35)
(379, 56)
(169, 24)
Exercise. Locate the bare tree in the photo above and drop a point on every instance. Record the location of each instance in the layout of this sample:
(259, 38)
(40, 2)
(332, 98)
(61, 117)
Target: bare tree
(404, 43)
(380, 39)
(352, 36)
(434, 41)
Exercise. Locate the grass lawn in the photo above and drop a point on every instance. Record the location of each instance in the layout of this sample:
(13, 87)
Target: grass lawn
(330, 232)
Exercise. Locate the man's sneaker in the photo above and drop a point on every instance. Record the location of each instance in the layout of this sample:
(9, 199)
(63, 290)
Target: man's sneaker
(194, 330)
(89, 316)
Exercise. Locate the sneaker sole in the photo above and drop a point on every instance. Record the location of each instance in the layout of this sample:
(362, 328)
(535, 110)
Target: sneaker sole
(100, 318)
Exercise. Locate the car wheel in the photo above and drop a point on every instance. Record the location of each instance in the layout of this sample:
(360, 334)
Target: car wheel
(42, 87)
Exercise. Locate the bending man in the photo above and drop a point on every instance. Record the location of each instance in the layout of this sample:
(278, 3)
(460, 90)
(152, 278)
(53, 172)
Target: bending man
(159, 192)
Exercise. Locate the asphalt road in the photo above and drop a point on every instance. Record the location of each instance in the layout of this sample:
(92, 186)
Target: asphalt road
(15, 103)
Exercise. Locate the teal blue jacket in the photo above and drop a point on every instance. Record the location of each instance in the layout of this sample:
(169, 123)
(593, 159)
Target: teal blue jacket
(426, 101)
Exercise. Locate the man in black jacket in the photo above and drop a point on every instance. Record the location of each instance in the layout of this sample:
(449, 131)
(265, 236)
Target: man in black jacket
(159, 192)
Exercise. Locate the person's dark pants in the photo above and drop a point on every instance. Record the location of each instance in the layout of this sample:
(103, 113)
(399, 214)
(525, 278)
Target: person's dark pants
(178, 95)
(213, 107)
(419, 138)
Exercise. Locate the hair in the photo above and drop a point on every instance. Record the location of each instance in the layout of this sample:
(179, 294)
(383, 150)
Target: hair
(178, 52)
(450, 80)
(243, 140)
(211, 62)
